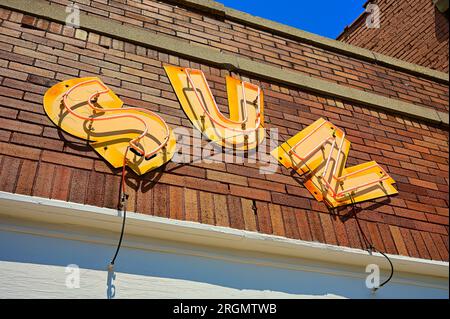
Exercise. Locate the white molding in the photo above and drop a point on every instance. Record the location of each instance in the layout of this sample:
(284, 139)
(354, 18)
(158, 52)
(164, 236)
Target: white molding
(72, 215)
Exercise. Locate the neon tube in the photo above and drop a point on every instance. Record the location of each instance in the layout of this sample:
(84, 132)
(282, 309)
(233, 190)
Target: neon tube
(133, 142)
(258, 114)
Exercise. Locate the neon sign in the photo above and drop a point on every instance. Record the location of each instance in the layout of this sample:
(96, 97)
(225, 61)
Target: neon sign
(319, 154)
(142, 140)
(88, 109)
(243, 130)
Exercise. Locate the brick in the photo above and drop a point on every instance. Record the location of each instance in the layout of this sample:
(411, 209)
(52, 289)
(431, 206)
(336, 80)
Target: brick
(290, 222)
(353, 233)
(276, 219)
(408, 213)
(160, 200)
(375, 236)
(36, 141)
(437, 219)
(227, 178)
(221, 210)
(289, 200)
(263, 214)
(44, 179)
(11, 56)
(61, 183)
(250, 193)
(249, 214)
(328, 229)
(12, 93)
(141, 193)
(341, 234)
(431, 247)
(176, 203)
(112, 189)
(26, 177)
(31, 70)
(317, 233)
(95, 189)
(8, 113)
(19, 151)
(205, 185)
(8, 174)
(420, 244)
(398, 240)
(409, 242)
(440, 246)
(235, 212)
(66, 159)
(206, 201)
(303, 224)
(18, 126)
(422, 183)
(191, 205)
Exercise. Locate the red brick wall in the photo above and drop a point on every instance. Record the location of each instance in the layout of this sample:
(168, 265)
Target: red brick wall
(413, 31)
(38, 159)
(235, 38)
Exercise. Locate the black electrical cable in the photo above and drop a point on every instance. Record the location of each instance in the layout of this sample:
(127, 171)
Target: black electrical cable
(370, 247)
(113, 260)
(123, 205)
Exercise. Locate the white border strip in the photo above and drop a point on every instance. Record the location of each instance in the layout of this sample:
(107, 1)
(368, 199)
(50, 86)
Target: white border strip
(67, 213)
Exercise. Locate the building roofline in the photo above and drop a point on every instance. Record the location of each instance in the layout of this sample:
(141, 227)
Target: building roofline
(217, 8)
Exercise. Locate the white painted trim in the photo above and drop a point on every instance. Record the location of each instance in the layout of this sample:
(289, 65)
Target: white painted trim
(108, 220)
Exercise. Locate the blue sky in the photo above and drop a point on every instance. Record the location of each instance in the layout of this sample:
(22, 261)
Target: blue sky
(327, 17)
